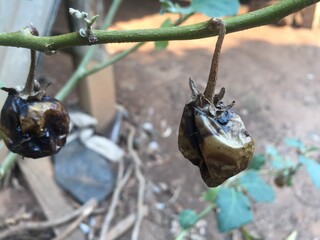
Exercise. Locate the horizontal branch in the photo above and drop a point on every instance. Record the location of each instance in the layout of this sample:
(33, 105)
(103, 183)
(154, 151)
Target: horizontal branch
(257, 18)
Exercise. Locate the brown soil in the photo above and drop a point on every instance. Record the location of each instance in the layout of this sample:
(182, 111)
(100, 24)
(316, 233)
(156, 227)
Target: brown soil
(271, 72)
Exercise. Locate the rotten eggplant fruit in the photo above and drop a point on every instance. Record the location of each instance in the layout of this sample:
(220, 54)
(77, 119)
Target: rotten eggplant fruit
(32, 124)
(211, 135)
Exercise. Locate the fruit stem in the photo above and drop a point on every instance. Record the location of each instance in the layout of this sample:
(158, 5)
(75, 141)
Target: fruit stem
(29, 86)
(213, 74)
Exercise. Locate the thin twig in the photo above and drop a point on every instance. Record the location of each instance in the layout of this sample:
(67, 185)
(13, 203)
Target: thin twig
(175, 195)
(142, 184)
(114, 203)
(213, 75)
(88, 209)
(123, 225)
(21, 216)
(41, 225)
(120, 171)
(29, 86)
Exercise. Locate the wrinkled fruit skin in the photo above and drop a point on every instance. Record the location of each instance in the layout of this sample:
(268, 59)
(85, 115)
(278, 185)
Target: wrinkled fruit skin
(214, 138)
(34, 128)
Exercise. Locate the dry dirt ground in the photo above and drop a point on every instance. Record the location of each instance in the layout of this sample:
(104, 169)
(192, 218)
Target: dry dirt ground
(273, 74)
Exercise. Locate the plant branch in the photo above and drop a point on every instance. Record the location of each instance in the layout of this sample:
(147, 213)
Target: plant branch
(90, 206)
(7, 164)
(257, 18)
(9, 161)
(142, 184)
(48, 224)
(114, 203)
(81, 72)
(78, 74)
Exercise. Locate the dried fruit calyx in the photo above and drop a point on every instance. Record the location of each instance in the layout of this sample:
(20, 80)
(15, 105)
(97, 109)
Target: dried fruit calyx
(211, 135)
(32, 124)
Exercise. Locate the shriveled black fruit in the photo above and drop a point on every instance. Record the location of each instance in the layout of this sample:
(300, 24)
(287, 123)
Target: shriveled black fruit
(284, 177)
(211, 135)
(33, 128)
(214, 138)
(32, 124)
(280, 180)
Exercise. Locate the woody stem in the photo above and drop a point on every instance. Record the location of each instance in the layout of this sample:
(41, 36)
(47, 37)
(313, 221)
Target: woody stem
(212, 80)
(29, 86)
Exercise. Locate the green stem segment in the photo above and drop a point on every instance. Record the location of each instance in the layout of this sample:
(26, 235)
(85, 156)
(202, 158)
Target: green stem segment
(7, 164)
(213, 75)
(245, 233)
(257, 18)
(79, 73)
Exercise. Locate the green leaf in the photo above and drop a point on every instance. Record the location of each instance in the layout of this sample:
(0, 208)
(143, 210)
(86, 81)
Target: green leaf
(256, 187)
(233, 209)
(313, 169)
(187, 218)
(292, 236)
(277, 161)
(311, 149)
(246, 235)
(272, 151)
(293, 142)
(211, 195)
(216, 8)
(257, 162)
(168, 6)
(163, 44)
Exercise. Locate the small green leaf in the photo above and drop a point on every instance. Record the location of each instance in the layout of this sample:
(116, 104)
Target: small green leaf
(246, 235)
(211, 195)
(216, 8)
(292, 236)
(257, 162)
(163, 44)
(168, 6)
(257, 188)
(160, 45)
(313, 169)
(293, 142)
(233, 209)
(277, 161)
(311, 149)
(272, 151)
(187, 218)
